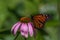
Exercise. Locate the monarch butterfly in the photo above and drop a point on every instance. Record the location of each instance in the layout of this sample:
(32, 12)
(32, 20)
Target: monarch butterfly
(39, 20)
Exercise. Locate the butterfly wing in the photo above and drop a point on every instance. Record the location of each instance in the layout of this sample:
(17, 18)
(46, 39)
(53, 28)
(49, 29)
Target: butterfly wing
(39, 20)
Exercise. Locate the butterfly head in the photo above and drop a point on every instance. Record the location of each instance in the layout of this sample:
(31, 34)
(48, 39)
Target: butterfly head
(47, 16)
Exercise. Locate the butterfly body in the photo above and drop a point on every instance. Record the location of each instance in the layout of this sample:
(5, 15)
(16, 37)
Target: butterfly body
(39, 20)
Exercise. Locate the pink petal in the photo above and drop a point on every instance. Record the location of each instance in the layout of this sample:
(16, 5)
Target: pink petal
(24, 30)
(16, 28)
(30, 29)
(24, 34)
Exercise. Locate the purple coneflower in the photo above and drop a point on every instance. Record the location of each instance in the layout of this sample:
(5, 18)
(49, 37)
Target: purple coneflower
(24, 26)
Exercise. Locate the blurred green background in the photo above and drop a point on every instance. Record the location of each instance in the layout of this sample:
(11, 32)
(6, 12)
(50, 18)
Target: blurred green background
(12, 10)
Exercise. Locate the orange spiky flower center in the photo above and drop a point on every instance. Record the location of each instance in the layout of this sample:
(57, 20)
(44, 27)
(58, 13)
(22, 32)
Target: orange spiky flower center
(25, 19)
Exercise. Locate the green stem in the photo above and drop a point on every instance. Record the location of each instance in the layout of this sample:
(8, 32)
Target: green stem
(16, 36)
(25, 38)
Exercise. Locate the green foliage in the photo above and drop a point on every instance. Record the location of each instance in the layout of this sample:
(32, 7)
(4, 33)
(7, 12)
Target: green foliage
(12, 10)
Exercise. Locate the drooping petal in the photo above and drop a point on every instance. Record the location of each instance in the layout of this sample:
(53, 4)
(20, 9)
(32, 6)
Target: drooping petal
(22, 33)
(25, 34)
(30, 29)
(16, 28)
(24, 30)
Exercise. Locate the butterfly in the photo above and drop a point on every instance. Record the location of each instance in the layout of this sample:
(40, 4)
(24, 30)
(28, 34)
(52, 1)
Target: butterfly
(39, 20)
